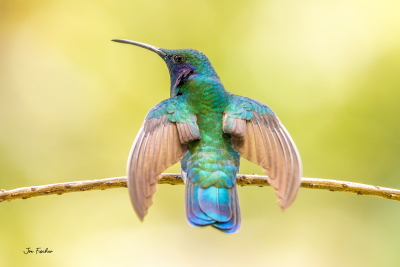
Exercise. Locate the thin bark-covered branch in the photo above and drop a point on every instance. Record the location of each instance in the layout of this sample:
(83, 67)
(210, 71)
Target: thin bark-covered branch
(175, 179)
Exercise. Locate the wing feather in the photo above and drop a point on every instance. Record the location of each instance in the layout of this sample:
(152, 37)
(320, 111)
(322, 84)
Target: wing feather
(157, 146)
(266, 142)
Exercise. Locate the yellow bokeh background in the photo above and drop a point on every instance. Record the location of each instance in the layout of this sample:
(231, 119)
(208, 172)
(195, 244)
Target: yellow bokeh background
(72, 102)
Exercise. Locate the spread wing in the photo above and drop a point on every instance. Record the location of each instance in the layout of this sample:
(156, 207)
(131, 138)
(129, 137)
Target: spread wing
(161, 142)
(259, 136)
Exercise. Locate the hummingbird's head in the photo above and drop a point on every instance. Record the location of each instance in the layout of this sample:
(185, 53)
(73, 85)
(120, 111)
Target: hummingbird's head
(182, 63)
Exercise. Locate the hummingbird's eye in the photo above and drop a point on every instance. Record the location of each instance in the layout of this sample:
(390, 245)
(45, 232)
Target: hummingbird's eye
(178, 59)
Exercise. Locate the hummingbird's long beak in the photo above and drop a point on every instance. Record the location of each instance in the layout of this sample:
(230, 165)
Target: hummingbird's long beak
(148, 47)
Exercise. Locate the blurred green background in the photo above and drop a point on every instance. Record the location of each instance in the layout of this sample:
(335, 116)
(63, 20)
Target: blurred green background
(72, 102)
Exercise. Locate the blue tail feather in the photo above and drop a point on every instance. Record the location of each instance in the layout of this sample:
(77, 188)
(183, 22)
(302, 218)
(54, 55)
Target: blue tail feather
(193, 210)
(214, 206)
(233, 224)
(215, 202)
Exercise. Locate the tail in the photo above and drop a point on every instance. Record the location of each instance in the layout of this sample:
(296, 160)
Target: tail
(216, 206)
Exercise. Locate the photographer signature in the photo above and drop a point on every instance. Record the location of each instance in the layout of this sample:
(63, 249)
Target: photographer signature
(39, 250)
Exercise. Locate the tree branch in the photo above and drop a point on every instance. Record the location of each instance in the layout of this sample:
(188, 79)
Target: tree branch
(175, 179)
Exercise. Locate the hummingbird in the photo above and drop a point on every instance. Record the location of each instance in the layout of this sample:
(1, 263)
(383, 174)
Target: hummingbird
(207, 129)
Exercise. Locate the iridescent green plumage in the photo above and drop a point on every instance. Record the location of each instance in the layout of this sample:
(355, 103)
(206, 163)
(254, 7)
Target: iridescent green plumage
(207, 127)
